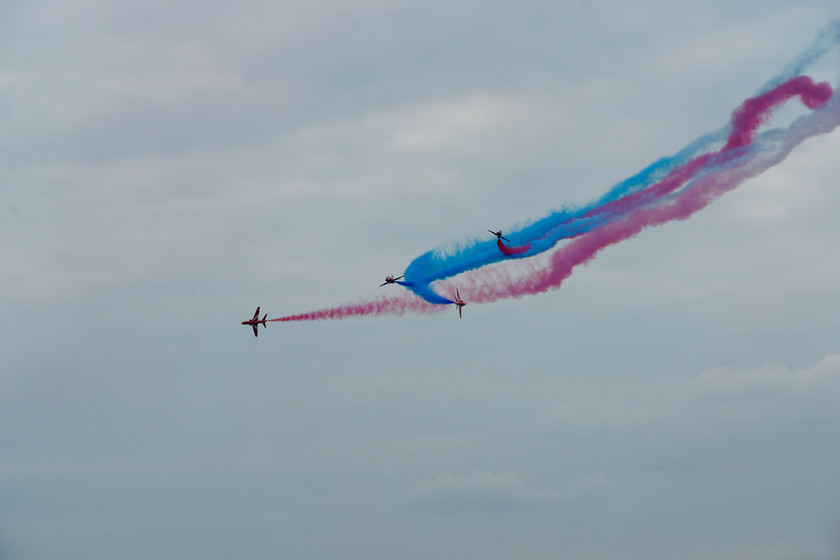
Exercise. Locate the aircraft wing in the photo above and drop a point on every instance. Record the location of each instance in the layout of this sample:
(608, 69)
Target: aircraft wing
(256, 331)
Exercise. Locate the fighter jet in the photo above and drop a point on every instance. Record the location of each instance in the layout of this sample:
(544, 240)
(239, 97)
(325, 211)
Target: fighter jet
(499, 235)
(459, 302)
(256, 321)
(390, 280)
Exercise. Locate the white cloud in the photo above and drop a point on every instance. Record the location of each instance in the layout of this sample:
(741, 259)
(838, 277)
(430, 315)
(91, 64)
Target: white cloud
(455, 125)
(505, 490)
(771, 401)
(479, 491)
(820, 382)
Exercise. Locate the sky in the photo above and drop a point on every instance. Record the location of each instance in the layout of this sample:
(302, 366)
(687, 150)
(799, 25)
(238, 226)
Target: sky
(166, 167)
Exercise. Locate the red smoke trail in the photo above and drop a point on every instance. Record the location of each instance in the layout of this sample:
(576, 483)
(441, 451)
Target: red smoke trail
(511, 251)
(397, 305)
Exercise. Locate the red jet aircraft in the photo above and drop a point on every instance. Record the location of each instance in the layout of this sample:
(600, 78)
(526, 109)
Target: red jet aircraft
(256, 321)
(499, 235)
(390, 280)
(459, 302)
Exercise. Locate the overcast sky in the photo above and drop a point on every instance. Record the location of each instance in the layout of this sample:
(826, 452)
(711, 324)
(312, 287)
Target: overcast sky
(168, 166)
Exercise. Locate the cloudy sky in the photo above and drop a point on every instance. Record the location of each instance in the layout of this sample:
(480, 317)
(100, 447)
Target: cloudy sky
(168, 166)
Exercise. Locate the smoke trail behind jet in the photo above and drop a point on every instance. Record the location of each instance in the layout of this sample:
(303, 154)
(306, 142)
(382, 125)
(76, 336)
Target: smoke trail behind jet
(672, 188)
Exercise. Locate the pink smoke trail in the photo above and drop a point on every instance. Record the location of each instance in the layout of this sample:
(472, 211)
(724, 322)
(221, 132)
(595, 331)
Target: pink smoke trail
(492, 285)
(396, 305)
(745, 121)
(752, 113)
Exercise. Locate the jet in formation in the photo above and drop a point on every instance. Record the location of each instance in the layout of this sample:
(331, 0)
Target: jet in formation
(459, 302)
(390, 280)
(256, 321)
(499, 235)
